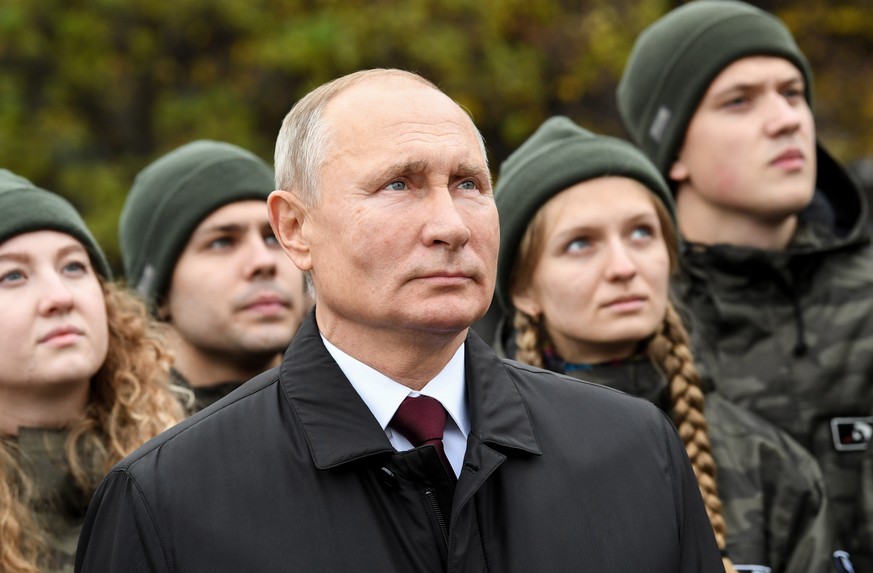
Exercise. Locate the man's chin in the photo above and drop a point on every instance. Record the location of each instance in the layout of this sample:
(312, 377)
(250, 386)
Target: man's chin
(446, 322)
(262, 343)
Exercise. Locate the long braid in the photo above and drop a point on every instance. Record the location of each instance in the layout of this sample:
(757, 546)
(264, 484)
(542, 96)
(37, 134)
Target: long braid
(528, 340)
(669, 350)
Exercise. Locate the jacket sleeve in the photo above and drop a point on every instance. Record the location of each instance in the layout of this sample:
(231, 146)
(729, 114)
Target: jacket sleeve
(119, 533)
(699, 551)
(806, 535)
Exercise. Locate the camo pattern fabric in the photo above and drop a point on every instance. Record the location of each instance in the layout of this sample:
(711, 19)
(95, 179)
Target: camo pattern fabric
(775, 507)
(867, 501)
(789, 336)
(60, 504)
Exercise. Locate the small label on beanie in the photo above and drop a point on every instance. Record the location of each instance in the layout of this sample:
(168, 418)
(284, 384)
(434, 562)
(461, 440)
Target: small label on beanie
(144, 287)
(660, 124)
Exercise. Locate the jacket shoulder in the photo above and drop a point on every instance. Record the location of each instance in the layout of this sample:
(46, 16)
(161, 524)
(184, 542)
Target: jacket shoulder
(532, 382)
(190, 429)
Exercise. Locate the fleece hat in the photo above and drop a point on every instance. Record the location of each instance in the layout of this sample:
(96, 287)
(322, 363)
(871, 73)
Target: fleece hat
(27, 208)
(558, 155)
(674, 61)
(172, 196)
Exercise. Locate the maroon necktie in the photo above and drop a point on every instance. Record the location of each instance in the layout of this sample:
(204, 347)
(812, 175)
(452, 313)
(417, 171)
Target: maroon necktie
(421, 420)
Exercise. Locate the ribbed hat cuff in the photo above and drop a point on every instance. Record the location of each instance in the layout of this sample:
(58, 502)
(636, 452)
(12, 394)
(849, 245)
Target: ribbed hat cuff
(697, 62)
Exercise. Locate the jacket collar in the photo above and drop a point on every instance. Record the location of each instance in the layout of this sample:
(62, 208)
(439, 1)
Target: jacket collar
(498, 413)
(339, 427)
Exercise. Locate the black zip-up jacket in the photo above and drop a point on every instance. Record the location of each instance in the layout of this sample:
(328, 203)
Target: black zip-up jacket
(292, 473)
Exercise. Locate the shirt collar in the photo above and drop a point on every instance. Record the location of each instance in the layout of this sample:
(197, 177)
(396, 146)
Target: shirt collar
(383, 395)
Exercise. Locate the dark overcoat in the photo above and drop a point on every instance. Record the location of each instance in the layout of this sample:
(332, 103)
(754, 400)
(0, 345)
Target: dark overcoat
(293, 473)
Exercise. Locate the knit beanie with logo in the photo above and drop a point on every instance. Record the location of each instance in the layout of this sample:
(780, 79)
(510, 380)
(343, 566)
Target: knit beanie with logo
(26, 208)
(172, 196)
(558, 155)
(674, 61)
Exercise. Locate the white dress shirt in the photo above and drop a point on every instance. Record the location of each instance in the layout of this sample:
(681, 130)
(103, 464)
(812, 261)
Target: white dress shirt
(383, 396)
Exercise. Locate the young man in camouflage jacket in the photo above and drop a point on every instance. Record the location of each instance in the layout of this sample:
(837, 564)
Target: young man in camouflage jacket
(776, 255)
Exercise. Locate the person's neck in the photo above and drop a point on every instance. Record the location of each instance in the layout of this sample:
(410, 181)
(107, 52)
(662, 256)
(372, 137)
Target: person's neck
(409, 358)
(203, 369)
(701, 222)
(37, 406)
(594, 353)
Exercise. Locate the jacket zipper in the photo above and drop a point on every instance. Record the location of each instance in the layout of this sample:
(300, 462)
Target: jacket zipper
(438, 512)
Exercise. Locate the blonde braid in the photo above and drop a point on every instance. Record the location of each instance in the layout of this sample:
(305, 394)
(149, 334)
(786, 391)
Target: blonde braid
(669, 351)
(527, 340)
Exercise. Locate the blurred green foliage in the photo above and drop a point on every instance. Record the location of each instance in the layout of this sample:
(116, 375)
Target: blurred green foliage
(93, 90)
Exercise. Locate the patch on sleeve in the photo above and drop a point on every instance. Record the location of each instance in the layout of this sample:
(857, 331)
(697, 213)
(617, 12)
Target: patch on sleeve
(851, 434)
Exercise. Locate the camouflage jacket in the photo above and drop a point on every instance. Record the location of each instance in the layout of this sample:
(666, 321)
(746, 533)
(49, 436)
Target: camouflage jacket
(789, 334)
(775, 507)
(867, 504)
(60, 504)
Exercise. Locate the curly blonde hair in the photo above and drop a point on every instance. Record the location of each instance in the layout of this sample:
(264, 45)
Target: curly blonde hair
(669, 350)
(130, 401)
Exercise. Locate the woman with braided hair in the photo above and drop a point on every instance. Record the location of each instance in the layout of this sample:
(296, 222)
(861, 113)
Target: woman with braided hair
(588, 248)
(83, 376)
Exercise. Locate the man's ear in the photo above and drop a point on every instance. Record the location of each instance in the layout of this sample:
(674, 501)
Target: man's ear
(679, 171)
(288, 220)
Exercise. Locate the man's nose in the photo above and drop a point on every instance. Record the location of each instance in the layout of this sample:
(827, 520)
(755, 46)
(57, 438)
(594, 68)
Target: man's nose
(445, 223)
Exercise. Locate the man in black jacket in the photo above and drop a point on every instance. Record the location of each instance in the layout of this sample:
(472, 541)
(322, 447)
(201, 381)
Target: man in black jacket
(385, 202)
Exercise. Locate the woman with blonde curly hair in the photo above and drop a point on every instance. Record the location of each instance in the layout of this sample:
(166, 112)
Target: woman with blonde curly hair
(83, 376)
(588, 247)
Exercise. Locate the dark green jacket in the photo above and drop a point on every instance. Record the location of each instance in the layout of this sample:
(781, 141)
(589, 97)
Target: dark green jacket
(60, 505)
(789, 334)
(775, 506)
(201, 396)
(866, 527)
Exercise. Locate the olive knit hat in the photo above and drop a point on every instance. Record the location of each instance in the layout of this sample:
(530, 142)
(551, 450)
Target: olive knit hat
(674, 61)
(27, 208)
(559, 155)
(172, 196)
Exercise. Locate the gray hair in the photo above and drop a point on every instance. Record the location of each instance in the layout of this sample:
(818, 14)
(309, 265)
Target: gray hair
(305, 136)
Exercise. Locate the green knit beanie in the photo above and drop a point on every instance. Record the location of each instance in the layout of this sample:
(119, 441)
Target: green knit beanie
(172, 196)
(674, 61)
(27, 208)
(558, 155)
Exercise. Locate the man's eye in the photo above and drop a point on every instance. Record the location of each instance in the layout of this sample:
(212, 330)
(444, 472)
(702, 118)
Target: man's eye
(469, 185)
(396, 186)
(736, 102)
(11, 277)
(220, 243)
(271, 239)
